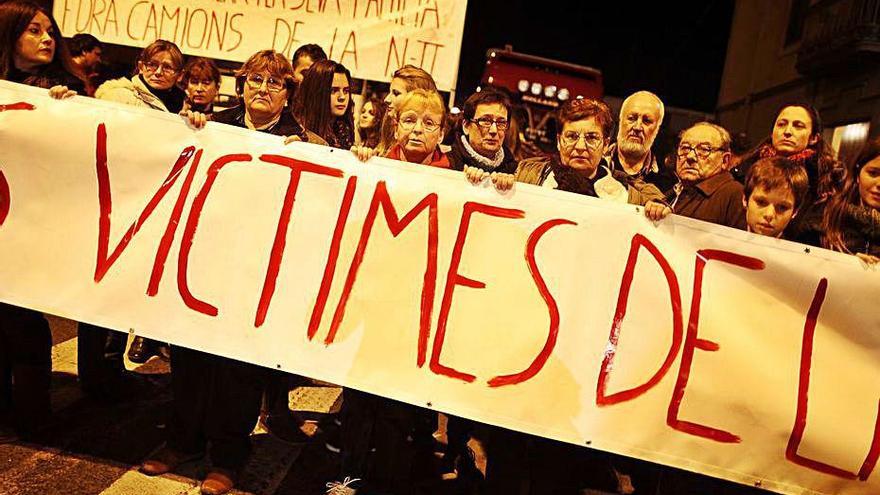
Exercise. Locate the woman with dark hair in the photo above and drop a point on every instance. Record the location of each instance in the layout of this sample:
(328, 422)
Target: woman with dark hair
(370, 121)
(201, 83)
(154, 84)
(852, 218)
(323, 103)
(31, 48)
(797, 136)
(31, 52)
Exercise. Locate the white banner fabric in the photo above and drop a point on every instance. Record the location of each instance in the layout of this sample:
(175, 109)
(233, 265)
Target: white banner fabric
(372, 38)
(687, 344)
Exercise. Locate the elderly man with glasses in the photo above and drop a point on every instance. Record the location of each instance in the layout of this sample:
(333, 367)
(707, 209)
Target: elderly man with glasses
(709, 192)
(584, 132)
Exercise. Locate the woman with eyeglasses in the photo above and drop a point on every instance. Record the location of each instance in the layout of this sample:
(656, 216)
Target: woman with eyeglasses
(154, 84)
(216, 400)
(323, 103)
(585, 127)
(478, 147)
(418, 132)
(404, 80)
(264, 85)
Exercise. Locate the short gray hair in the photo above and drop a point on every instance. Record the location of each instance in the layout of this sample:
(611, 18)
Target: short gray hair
(722, 132)
(645, 93)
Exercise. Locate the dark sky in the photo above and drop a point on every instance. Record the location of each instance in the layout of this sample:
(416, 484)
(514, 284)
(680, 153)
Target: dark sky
(675, 48)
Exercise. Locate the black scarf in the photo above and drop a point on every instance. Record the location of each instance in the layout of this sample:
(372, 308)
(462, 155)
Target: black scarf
(573, 180)
(172, 97)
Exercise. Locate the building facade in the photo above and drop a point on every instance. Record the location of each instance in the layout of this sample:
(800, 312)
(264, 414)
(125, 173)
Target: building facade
(822, 52)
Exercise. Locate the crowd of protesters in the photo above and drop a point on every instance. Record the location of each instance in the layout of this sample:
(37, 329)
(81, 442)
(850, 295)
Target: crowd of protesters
(789, 186)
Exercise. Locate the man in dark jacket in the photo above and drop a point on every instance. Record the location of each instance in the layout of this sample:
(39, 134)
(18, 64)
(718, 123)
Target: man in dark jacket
(641, 116)
(709, 192)
(479, 141)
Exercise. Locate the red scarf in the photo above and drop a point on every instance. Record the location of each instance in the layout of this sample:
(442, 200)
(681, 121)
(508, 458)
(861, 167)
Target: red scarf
(438, 158)
(768, 151)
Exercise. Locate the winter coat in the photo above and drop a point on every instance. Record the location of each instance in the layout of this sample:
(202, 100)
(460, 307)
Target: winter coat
(537, 171)
(654, 173)
(132, 92)
(286, 125)
(718, 200)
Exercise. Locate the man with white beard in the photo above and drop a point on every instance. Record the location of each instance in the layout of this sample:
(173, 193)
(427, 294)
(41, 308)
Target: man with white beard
(640, 118)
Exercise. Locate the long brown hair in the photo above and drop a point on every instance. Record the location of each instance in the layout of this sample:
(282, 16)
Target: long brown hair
(15, 17)
(826, 178)
(311, 103)
(370, 136)
(846, 197)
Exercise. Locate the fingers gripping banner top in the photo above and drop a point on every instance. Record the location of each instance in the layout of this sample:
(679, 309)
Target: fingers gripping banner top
(683, 343)
(372, 38)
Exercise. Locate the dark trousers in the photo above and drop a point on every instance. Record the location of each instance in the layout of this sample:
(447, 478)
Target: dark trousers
(278, 386)
(458, 432)
(370, 421)
(25, 368)
(216, 403)
(99, 358)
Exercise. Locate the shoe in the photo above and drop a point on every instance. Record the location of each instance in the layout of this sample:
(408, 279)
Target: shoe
(141, 350)
(343, 487)
(218, 482)
(166, 459)
(286, 427)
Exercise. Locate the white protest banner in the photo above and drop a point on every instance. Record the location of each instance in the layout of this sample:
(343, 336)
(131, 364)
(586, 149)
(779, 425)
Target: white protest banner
(372, 38)
(687, 344)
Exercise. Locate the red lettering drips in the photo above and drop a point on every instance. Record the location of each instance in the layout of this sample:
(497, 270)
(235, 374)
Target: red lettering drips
(552, 308)
(5, 195)
(800, 422)
(453, 278)
(189, 232)
(332, 257)
(21, 105)
(297, 167)
(5, 198)
(171, 228)
(396, 226)
(639, 241)
(692, 342)
(105, 199)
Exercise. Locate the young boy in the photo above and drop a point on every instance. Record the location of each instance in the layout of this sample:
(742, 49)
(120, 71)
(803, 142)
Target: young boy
(775, 190)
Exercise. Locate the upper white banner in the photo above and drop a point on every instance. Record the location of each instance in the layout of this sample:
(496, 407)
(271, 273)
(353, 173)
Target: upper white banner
(372, 38)
(687, 344)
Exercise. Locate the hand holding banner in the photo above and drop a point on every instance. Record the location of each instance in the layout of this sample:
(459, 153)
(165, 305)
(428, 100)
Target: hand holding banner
(687, 344)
